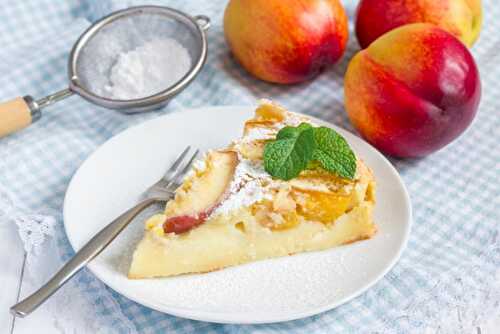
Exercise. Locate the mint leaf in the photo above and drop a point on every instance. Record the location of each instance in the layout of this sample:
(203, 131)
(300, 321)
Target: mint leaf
(333, 152)
(305, 147)
(290, 153)
(289, 132)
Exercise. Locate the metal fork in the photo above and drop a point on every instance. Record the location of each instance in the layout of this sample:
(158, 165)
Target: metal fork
(161, 191)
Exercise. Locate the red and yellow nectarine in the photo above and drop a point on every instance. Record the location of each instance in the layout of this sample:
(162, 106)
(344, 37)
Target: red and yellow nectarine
(286, 41)
(461, 18)
(413, 90)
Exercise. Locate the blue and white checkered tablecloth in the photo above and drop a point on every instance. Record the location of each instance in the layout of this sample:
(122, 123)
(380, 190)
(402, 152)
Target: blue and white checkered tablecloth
(447, 271)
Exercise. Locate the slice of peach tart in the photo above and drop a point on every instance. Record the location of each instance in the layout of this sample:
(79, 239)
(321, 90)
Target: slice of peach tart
(285, 187)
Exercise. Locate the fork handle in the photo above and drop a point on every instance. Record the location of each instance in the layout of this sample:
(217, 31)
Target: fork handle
(91, 249)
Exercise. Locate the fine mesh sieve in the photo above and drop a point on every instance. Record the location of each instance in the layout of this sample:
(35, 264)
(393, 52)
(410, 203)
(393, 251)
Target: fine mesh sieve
(96, 51)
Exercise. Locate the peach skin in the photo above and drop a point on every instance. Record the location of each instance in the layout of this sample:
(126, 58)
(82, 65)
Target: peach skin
(462, 18)
(286, 41)
(413, 90)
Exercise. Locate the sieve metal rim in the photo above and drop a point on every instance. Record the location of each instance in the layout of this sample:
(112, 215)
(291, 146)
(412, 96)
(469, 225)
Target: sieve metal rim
(200, 23)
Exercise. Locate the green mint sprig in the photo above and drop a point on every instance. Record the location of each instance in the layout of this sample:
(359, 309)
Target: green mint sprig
(298, 148)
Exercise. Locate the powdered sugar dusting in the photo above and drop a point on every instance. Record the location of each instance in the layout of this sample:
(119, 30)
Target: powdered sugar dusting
(146, 70)
(258, 133)
(246, 187)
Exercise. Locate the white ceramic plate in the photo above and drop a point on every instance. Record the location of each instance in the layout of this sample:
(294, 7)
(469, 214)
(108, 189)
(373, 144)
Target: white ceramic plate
(113, 177)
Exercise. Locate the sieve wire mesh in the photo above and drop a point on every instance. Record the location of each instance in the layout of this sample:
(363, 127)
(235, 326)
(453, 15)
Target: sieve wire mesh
(125, 34)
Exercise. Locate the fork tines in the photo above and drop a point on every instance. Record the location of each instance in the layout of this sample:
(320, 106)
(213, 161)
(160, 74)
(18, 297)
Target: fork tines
(174, 174)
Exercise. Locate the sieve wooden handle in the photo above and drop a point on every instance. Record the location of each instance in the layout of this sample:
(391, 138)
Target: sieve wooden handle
(14, 115)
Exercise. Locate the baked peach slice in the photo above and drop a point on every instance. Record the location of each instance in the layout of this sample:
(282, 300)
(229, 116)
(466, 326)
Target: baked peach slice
(198, 199)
